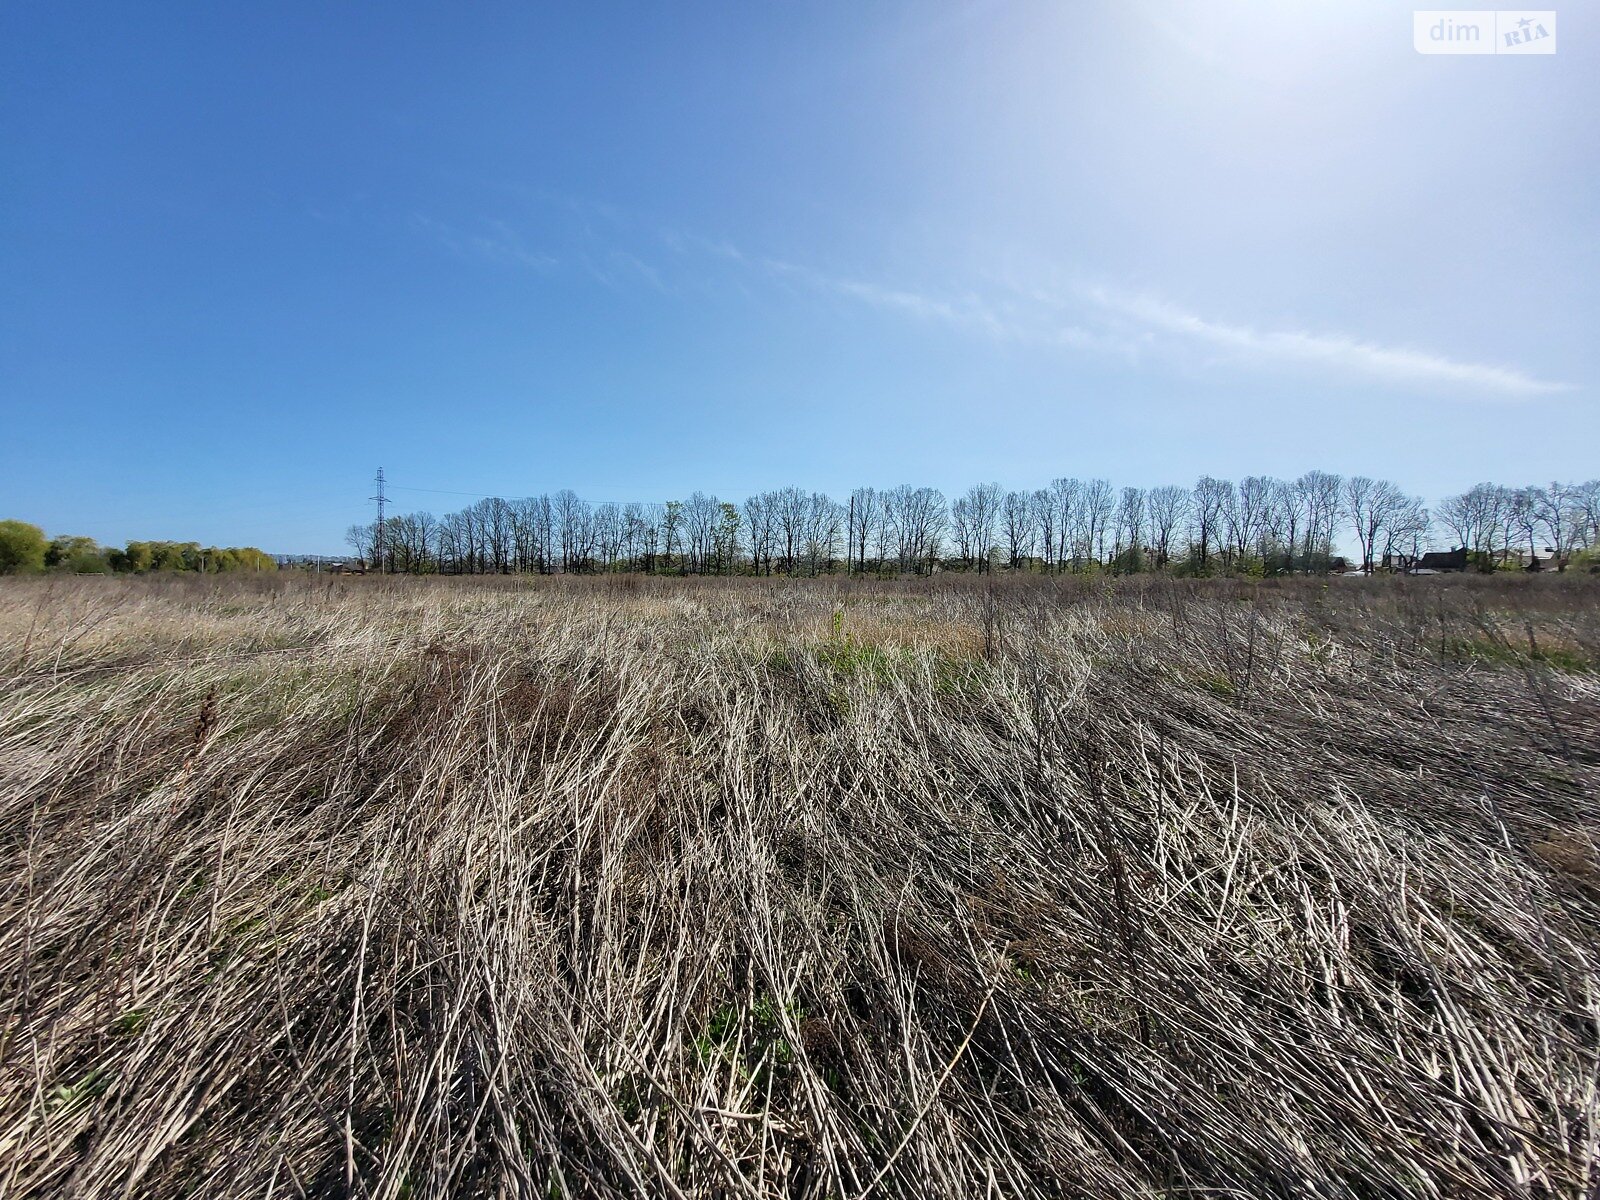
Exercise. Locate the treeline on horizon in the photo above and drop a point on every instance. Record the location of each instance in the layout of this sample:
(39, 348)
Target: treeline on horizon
(24, 549)
(1259, 526)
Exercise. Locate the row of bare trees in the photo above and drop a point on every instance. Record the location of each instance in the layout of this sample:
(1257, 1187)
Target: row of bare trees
(1491, 520)
(1258, 524)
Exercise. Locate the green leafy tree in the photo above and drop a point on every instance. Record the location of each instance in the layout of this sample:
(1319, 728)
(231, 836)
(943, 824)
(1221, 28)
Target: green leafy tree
(139, 556)
(671, 525)
(728, 539)
(66, 552)
(188, 556)
(175, 556)
(22, 548)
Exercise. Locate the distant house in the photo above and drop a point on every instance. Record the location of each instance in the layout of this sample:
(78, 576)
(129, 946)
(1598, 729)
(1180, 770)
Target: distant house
(1443, 560)
(321, 565)
(1432, 563)
(1536, 560)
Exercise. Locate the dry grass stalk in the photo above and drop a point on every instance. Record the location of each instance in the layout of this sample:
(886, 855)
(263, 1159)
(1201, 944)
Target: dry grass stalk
(743, 888)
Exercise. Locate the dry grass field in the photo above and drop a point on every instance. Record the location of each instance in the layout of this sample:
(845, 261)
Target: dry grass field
(746, 888)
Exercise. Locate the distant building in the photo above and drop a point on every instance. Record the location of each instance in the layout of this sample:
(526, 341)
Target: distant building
(322, 564)
(1443, 560)
(1537, 560)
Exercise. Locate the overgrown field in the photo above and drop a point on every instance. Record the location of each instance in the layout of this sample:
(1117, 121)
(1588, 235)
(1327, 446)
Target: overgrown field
(616, 887)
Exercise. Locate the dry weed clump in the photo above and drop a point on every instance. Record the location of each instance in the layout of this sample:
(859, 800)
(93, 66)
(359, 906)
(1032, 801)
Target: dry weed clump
(601, 887)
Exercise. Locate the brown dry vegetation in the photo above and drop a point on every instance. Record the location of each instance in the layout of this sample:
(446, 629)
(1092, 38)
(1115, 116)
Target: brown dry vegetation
(616, 887)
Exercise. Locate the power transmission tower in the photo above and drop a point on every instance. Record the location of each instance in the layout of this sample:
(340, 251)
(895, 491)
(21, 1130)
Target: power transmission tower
(378, 529)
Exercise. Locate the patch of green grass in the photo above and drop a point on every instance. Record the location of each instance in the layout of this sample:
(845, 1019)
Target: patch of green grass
(954, 675)
(310, 895)
(1563, 660)
(1495, 652)
(719, 1031)
(69, 1097)
(871, 664)
(628, 1095)
(755, 1045)
(1479, 649)
(238, 936)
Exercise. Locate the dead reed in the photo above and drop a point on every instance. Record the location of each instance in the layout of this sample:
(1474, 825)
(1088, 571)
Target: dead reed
(837, 889)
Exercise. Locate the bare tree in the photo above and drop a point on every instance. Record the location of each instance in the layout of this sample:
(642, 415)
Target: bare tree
(1099, 505)
(917, 519)
(1205, 510)
(363, 539)
(450, 545)
(1406, 532)
(961, 529)
(1285, 520)
(1129, 547)
(571, 518)
(1556, 508)
(701, 514)
(1475, 516)
(1169, 508)
(1320, 492)
(758, 521)
(863, 517)
(524, 534)
(408, 540)
(1521, 519)
(1045, 516)
(1373, 507)
(1068, 496)
(790, 508)
(1246, 513)
(823, 523)
(635, 525)
(1017, 520)
(1292, 526)
(608, 534)
(1587, 504)
(973, 519)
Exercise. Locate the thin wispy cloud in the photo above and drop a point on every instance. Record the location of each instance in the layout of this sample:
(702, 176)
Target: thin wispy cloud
(620, 269)
(1033, 318)
(967, 311)
(495, 241)
(1137, 328)
(999, 320)
(1337, 352)
(1132, 326)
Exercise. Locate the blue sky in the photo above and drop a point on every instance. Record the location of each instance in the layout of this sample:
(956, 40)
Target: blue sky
(250, 252)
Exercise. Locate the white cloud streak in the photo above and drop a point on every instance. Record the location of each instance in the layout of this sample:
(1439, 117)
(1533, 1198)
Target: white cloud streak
(1037, 321)
(1338, 352)
(1098, 320)
(971, 312)
(499, 245)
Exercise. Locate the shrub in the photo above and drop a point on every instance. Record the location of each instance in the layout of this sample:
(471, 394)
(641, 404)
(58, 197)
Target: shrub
(22, 548)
